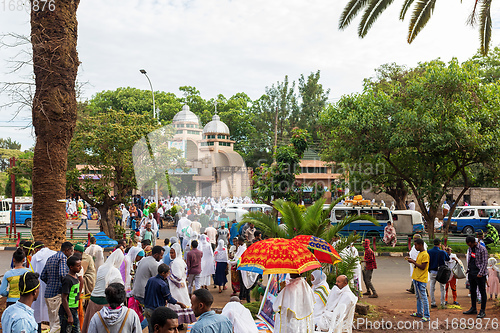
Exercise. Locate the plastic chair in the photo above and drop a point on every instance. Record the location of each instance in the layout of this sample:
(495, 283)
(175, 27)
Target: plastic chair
(337, 319)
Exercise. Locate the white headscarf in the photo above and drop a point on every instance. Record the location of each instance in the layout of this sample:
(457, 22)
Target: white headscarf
(178, 257)
(207, 261)
(129, 264)
(108, 273)
(220, 254)
(319, 278)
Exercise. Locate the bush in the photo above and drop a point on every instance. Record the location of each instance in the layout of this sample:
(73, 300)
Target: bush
(253, 307)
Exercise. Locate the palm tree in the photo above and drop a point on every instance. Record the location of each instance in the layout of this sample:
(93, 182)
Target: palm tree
(55, 65)
(422, 12)
(315, 221)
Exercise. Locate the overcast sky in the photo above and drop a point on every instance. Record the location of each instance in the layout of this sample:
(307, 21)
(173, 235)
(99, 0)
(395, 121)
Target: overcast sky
(230, 46)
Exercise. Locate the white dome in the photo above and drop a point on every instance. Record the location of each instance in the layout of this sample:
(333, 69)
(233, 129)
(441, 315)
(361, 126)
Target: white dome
(186, 116)
(216, 126)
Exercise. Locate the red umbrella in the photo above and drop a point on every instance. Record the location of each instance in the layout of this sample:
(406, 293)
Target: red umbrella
(322, 250)
(276, 256)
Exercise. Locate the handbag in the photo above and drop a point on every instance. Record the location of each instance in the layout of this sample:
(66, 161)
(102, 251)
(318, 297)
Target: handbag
(458, 270)
(443, 274)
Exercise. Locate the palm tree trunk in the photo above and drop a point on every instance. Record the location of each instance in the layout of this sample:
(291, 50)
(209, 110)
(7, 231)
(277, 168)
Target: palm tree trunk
(55, 63)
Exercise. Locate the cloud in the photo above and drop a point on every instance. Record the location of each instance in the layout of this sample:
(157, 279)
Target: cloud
(230, 46)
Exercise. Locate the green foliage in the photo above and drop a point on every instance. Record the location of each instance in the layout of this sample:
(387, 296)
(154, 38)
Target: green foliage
(18, 188)
(429, 124)
(278, 179)
(489, 65)
(422, 12)
(119, 232)
(253, 307)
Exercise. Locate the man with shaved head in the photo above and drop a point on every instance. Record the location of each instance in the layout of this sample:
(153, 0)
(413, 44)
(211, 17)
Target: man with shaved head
(240, 317)
(340, 294)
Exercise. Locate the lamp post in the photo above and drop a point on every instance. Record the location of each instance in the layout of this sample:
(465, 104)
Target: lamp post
(143, 71)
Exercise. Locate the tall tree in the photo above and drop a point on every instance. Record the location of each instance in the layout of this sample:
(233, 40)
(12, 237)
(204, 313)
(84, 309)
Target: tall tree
(422, 12)
(313, 100)
(55, 64)
(489, 65)
(429, 126)
(4, 155)
(104, 143)
(136, 100)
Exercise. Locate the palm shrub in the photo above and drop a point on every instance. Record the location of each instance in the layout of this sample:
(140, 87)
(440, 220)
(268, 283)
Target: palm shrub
(315, 221)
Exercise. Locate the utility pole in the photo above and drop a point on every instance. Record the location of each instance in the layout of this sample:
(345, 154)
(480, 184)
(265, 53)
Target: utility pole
(275, 135)
(12, 161)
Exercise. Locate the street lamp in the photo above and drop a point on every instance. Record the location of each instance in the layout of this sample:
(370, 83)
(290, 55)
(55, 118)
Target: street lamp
(152, 91)
(143, 71)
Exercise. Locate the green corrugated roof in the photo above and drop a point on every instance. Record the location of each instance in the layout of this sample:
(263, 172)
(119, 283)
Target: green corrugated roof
(310, 154)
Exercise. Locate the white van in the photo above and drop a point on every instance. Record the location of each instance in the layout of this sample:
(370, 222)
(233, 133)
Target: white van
(252, 207)
(4, 212)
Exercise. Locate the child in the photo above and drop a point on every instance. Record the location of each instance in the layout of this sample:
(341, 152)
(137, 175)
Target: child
(10, 280)
(70, 294)
(493, 283)
(452, 283)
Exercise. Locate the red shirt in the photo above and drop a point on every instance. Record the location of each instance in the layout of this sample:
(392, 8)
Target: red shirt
(193, 261)
(370, 261)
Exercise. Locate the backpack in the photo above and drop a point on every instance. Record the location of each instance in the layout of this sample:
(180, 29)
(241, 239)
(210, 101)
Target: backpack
(444, 273)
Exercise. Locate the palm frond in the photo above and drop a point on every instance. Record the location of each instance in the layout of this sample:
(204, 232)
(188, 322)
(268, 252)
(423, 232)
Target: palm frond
(265, 223)
(335, 228)
(372, 12)
(313, 218)
(421, 15)
(404, 9)
(485, 26)
(344, 242)
(291, 216)
(350, 11)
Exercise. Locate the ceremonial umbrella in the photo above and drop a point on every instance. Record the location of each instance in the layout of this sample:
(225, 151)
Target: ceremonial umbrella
(277, 256)
(322, 250)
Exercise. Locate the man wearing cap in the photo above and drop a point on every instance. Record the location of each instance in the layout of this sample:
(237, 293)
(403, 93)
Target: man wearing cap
(88, 271)
(370, 265)
(19, 317)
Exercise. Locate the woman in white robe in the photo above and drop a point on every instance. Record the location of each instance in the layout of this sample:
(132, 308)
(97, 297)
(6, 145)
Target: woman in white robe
(207, 261)
(106, 274)
(321, 291)
(39, 306)
(294, 307)
(134, 255)
(178, 286)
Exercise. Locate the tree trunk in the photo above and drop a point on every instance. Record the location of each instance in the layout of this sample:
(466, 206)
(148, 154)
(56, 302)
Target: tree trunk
(108, 221)
(399, 193)
(55, 64)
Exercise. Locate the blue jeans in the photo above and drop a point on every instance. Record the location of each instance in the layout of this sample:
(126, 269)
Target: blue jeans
(422, 301)
(63, 320)
(86, 224)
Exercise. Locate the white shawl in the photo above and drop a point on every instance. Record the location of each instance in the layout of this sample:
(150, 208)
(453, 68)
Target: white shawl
(220, 254)
(240, 317)
(97, 253)
(207, 261)
(108, 273)
(337, 296)
(177, 277)
(38, 263)
(129, 265)
(294, 308)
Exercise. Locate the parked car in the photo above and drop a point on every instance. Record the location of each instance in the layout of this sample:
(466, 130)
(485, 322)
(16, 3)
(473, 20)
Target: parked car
(470, 219)
(24, 214)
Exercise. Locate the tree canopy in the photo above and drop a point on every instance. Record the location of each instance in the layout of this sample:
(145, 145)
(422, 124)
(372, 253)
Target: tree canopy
(430, 124)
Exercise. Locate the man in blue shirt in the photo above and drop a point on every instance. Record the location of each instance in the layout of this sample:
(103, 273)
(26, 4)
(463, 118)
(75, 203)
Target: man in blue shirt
(437, 257)
(208, 320)
(19, 317)
(157, 293)
(53, 272)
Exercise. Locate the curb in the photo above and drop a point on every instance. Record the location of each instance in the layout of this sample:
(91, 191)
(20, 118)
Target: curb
(400, 254)
(13, 248)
